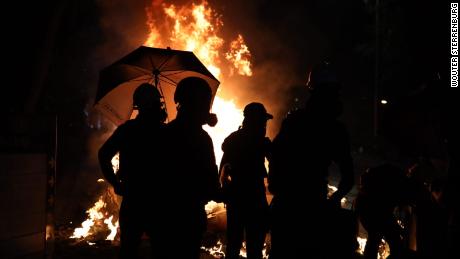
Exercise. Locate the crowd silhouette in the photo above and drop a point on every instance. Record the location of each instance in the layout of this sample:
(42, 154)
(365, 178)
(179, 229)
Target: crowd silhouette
(168, 173)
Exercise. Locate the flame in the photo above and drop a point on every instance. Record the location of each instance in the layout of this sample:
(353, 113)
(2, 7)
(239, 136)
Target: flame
(243, 252)
(216, 251)
(115, 163)
(230, 117)
(94, 214)
(196, 28)
(362, 244)
(192, 27)
(154, 36)
(113, 228)
(384, 248)
(239, 55)
(98, 219)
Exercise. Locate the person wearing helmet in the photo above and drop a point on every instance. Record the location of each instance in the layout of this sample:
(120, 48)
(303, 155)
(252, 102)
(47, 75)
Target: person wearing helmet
(309, 140)
(192, 178)
(242, 173)
(135, 141)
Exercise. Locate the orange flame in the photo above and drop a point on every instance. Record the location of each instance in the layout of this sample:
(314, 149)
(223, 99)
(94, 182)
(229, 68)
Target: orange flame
(153, 39)
(196, 28)
(98, 214)
(239, 55)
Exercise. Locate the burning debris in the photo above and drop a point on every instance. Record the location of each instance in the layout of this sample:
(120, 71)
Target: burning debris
(217, 251)
(213, 209)
(192, 27)
(100, 223)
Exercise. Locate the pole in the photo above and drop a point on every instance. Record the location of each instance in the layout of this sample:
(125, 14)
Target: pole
(377, 68)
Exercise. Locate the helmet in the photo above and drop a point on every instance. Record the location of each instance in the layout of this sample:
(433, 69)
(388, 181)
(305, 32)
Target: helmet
(256, 111)
(194, 97)
(145, 96)
(192, 90)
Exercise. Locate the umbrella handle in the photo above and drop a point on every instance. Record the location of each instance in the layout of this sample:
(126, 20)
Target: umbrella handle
(156, 74)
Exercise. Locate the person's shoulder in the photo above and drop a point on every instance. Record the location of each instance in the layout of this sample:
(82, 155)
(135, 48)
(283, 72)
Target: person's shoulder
(293, 119)
(206, 138)
(230, 139)
(128, 124)
(125, 126)
(234, 135)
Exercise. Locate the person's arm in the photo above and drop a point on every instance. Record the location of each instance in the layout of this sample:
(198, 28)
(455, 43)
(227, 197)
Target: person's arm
(277, 156)
(108, 150)
(268, 148)
(344, 161)
(275, 164)
(224, 169)
(212, 175)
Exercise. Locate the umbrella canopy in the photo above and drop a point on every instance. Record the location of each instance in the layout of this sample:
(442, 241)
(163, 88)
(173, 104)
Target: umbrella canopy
(163, 68)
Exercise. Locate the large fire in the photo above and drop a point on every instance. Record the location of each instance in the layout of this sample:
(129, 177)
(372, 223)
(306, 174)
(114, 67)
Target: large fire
(100, 216)
(192, 27)
(196, 28)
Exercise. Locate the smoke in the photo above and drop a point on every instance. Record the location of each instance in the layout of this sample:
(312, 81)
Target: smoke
(285, 41)
(276, 37)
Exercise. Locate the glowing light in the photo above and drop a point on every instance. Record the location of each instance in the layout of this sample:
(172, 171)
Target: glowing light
(239, 56)
(113, 228)
(115, 163)
(362, 244)
(331, 190)
(196, 28)
(230, 117)
(216, 251)
(94, 214)
(382, 253)
(192, 27)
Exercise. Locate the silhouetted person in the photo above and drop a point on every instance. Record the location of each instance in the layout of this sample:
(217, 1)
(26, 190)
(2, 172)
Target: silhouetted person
(135, 140)
(426, 199)
(304, 220)
(191, 177)
(242, 175)
(382, 189)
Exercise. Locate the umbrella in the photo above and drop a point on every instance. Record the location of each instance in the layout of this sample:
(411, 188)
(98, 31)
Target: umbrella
(163, 68)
